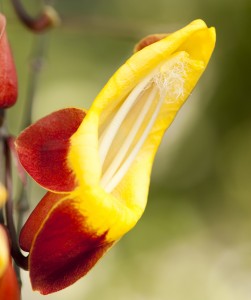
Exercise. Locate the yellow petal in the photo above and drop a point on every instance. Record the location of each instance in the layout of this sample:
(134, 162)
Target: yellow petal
(3, 195)
(4, 251)
(112, 152)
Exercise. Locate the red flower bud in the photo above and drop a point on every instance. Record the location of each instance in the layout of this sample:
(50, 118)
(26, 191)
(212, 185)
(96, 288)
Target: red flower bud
(8, 77)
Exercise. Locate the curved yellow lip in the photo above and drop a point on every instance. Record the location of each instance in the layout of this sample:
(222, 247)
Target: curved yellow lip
(194, 42)
(129, 126)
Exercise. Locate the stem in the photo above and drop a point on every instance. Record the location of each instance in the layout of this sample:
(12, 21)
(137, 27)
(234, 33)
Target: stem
(36, 64)
(20, 259)
(1, 160)
(1, 216)
(22, 207)
(45, 20)
(2, 114)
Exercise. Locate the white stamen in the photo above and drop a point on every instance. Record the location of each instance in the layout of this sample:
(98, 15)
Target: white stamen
(129, 139)
(125, 166)
(110, 132)
(171, 82)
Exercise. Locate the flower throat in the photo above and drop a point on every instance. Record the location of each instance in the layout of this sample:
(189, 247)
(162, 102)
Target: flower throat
(129, 125)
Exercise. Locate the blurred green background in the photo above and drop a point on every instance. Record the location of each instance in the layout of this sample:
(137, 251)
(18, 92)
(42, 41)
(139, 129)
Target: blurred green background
(193, 242)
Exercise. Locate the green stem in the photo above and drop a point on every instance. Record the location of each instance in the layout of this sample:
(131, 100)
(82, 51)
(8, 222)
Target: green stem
(36, 64)
(1, 158)
(19, 258)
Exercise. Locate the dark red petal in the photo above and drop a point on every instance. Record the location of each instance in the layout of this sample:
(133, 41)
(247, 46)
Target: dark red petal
(43, 147)
(9, 288)
(8, 77)
(36, 218)
(64, 249)
(148, 40)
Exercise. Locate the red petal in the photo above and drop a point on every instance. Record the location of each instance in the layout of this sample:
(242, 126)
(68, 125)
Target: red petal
(9, 288)
(36, 218)
(64, 250)
(43, 147)
(8, 77)
(148, 40)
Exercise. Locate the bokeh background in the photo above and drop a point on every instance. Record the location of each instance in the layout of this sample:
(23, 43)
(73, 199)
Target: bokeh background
(194, 240)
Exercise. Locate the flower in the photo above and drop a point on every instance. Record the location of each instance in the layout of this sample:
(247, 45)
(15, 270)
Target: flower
(97, 164)
(8, 77)
(4, 253)
(9, 288)
(3, 195)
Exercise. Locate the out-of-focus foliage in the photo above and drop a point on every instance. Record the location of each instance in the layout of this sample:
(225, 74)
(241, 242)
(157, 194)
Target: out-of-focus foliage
(194, 241)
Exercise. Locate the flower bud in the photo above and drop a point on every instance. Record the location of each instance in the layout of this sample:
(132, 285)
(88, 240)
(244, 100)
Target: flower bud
(8, 76)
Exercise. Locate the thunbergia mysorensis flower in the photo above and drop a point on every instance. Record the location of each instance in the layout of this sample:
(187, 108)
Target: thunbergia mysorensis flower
(97, 164)
(8, 77)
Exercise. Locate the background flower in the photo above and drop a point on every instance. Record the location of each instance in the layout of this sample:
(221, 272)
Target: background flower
(3, 195)
(9, 288)
(8, 77)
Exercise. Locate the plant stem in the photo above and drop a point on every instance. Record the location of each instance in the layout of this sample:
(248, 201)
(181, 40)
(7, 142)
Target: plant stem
(20, 259)
(2, 115)
(22, 207)
(1, 158)
(36, 64)
(47, 19)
